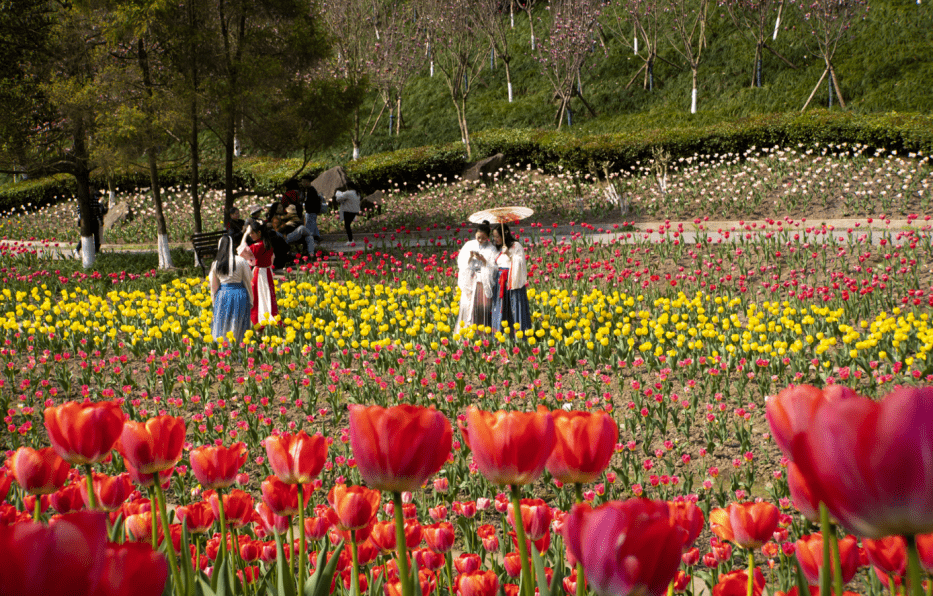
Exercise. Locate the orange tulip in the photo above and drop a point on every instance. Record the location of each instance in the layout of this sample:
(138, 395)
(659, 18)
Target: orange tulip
(809, 551)
(199, 516)
(735, 583)
(510, 447)
(720, 524)
(109, 491)
(354, 507)
(279, 497)
(585, 442)
(139, 527)
(383, 535)
(478, 583)
(217, 467)
(925, 549)
(154, 445)
(753, 523)
(689, 517)
(298, 458)
(39, 472)
(398, 449)
(84, 433)
(439, 537)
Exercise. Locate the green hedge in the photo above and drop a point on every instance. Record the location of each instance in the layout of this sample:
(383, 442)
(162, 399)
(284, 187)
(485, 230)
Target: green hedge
(545, 149)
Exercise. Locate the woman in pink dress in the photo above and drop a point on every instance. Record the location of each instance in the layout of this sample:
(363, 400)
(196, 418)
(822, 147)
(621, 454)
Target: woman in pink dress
(259, 251)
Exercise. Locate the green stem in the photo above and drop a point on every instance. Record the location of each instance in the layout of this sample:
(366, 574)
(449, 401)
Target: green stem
(913, 566)
(826, 574)
(37, 509)
(528, 582)
(91, 497)
(290, 535)
(749, 590)
(223, 539)
(355, 580)
(301, 539)
(155, 518)
(400, 546)
(581, 581)
(167, 533)
(837, 560)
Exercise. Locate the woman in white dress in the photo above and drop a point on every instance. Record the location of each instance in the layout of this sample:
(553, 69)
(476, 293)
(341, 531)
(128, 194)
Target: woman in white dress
(477, 263)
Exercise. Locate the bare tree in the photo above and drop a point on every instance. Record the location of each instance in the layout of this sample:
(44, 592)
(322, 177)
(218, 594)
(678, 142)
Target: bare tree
(751, 18)
(462, 54)
(529, 5)
(686, 36)
(829, 22)
(489, 15)
(634, 21)
(567, 46)
(397, 56)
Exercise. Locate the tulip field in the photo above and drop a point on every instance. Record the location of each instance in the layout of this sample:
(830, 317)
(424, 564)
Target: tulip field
(746, 413)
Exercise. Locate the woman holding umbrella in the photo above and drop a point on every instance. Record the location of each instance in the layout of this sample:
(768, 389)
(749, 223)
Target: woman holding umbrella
(510, 297)
(477, 264)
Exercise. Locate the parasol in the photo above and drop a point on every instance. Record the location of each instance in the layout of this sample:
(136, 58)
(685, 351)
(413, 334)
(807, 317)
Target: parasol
(501, 215)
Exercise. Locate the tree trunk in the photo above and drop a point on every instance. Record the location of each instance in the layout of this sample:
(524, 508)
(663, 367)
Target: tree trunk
(195, 145)
(229, 136)
(832, 75)
(83, 189)
(508, 78)
(531, 24)
(693, 92)
(756, 70)
(356, 133)
(398, 114)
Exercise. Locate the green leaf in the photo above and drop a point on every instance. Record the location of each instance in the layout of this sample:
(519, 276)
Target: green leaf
(319, 583)
(540, 576)
(285, 583)
(187, 571)
(802, 586)
(415, 581)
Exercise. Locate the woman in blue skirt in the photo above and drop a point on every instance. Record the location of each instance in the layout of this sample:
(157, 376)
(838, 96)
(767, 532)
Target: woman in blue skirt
(231, 293)
(510, 296)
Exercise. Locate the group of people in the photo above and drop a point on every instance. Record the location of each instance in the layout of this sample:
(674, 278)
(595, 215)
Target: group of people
(241, 277)
(493, 278)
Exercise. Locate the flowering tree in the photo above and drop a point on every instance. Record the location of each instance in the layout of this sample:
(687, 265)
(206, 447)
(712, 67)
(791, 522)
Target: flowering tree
(489, 16)
(751, 17)
(634, 21)
(686, 36)
(397, 56)
(829, 22)
(566, 48)
(462, 54)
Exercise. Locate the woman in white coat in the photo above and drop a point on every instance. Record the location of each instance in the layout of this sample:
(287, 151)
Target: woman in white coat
(349, 202)
(477, 264)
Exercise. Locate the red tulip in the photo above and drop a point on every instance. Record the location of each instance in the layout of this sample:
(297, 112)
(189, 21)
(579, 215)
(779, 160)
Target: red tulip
(735, 583)
(809, 550)
(872, 462)
(298, 458)
(249, 549)
(67, 499)
(689, 517)
(84, 433)
(439, 537)
(133, 569)
(268, 522)
(148, 480)
(109, 491)
(428, 559)
(154, 445)
(584, 444)
(888, 554)
(68, 557)
(199, 517)
(510, 447)
(39, 472)
(625, 547)
(316, 527)
(478, 583)
(925, 548)
(753, 523)
(789, 413)
(138, 527)
(280, 497)
(801, 495)
(467, 563)
(398, 449)
(5, 481)
(512, 562)
(217, 467)
(536, 516)
(487, 534)
(238, 507)
(29, 502)
(720, 524)
(354, 507)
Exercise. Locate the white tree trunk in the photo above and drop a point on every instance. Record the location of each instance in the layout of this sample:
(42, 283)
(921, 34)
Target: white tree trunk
(432, 68)
(111, 199)
(236, 147)
(356, 153)
(532, 42)
(510, 92)
(165, 257)
(87, 251)
(693, 101)
(777, 23)
(636, 44)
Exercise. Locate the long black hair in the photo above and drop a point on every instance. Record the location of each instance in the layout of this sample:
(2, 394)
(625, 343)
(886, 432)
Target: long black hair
(484, 228)
(507, 239)
(225, 263)
(265, 232)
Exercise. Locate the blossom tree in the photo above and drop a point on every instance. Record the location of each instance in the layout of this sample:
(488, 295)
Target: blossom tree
(566, 47)
(687, 36)
(462, 54)
(829, 22)
(751, 17)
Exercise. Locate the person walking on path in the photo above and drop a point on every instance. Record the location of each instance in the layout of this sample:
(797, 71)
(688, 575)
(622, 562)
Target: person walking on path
(349, 201)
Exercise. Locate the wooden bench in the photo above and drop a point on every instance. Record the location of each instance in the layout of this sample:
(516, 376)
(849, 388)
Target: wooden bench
(205, 247)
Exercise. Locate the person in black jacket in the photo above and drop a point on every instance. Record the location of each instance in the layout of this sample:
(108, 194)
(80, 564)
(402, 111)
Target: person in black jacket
(312, 204)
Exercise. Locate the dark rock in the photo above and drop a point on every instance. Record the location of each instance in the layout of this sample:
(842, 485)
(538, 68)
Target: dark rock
(373, 203)
(119, 214)
(484, 169)
(329, 182)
